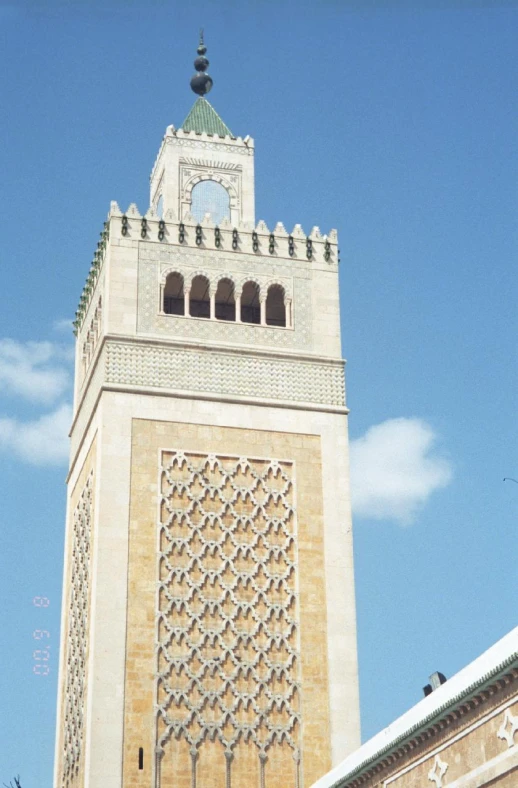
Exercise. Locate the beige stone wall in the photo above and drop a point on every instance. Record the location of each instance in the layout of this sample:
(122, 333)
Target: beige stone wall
(506, 781)
(303, 454)
(112, 597)
(73, 776)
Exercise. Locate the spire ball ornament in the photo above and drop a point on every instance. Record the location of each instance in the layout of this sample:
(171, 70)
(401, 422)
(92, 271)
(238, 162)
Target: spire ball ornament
(201, 82)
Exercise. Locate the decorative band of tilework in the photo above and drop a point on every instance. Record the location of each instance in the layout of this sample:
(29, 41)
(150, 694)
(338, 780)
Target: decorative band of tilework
(227, 374)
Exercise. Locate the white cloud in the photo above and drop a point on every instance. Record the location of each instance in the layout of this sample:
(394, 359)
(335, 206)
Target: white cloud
(43, 441)
(37, 371)
(393, 472)
(63, 326)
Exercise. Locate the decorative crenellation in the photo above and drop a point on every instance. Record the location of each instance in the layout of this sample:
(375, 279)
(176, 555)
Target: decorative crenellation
(227, 619)
(202, 141)
(92, 278)
(261, 241)
(77, 636)
(223, 373)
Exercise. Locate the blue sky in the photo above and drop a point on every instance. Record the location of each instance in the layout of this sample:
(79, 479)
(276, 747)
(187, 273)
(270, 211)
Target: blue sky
(395, 122)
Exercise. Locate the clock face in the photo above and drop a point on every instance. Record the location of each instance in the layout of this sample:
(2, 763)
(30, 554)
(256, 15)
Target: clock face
(210, 197)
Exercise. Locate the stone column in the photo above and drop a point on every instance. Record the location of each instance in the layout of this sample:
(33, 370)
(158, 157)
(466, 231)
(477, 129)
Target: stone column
(187, 302)
(263, 312)
(238, 308)
(289, 316)
(161, 304)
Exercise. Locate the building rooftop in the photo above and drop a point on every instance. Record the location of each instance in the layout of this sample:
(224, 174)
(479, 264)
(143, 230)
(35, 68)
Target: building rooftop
(454, 692)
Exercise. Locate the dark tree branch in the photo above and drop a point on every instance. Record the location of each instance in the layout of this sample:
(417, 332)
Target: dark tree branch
(17, 783)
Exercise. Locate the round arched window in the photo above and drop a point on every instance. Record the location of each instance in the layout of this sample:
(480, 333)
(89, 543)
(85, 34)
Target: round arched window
(210, 197)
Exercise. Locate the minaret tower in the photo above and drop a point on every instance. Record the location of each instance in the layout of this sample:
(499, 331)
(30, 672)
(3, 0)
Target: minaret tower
(208, 625)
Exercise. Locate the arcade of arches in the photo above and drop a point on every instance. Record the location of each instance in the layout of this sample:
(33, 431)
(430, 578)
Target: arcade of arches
(224, 302)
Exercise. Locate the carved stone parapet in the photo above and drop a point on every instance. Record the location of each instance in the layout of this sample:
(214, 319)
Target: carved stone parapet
(257, 240)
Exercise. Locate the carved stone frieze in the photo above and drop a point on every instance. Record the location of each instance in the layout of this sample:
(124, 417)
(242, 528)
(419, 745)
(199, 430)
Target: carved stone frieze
(225, 373)
(242, 150)
(219, 165)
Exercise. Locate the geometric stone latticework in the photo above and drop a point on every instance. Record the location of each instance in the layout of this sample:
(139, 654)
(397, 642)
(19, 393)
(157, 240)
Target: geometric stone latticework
(223, 373)
(77, 636)
(227, 620)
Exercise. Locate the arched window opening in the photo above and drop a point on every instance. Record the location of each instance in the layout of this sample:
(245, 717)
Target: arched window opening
(174, 301)
(210, 197)
(275, 306)
(250, 306)
(200, 299)
(225, 301)
(160, 207)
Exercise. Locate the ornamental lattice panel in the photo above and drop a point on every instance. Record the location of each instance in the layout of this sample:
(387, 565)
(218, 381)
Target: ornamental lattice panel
(77, 636)
(227, 632)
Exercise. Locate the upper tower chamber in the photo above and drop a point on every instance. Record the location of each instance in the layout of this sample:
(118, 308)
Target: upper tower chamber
(208, 622)
(195, 267)
(203, 168)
